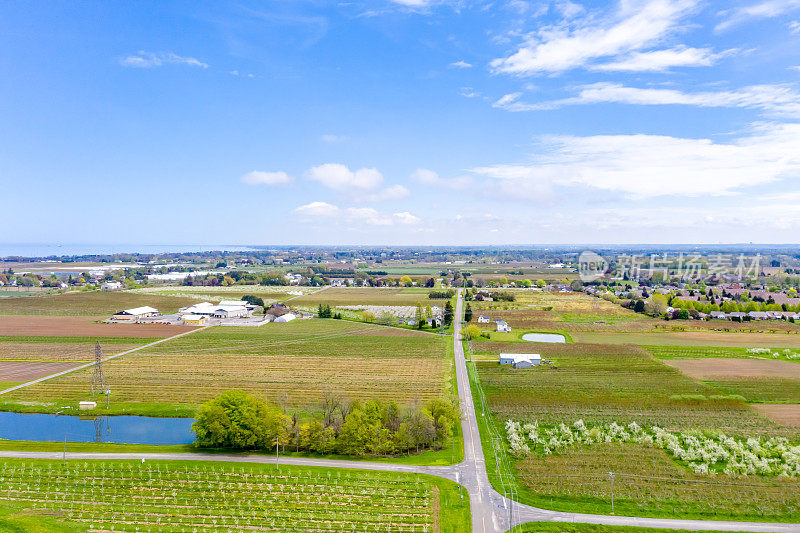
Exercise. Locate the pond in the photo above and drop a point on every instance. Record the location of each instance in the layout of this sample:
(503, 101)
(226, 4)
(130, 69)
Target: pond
(119, 429)
(544, 337)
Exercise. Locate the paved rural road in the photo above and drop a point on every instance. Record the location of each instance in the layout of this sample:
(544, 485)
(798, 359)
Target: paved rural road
(491, 511)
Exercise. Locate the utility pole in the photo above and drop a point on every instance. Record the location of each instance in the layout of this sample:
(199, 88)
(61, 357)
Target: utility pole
(612, 491)
(277, 447)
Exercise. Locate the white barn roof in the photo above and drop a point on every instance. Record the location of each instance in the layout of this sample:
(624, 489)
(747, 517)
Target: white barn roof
(139, 311)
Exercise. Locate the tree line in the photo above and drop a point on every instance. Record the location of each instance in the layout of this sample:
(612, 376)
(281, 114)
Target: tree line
(236, 419)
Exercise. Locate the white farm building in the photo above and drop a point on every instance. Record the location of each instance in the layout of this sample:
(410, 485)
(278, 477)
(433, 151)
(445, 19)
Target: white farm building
(521, 360)
(131, 315)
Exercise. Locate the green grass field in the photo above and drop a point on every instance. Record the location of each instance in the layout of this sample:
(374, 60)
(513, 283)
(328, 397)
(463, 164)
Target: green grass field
(60, 349)
(694, 339)
(762, 389)
(294, 364)
(172, 496)
(95, 303)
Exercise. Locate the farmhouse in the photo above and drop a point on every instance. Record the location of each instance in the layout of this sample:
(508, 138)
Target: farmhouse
(483, 319)
(520, 360)
(195, 320)
(136, 313)
(502, 326)
(717, 315)
(111, 286)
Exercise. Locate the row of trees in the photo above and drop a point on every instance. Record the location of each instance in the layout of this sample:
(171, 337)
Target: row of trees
(236, 419)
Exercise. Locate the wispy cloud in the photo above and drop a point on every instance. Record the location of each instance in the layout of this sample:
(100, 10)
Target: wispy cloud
(662, 60)
(144, 59)
(469, 92)
(258, 177)
(334, 139)
(317, 209)
(759, 10)
(365, 215)
(643, 166)
(394, 192)
(633, 27)
(429, 177)
(460, 64)
(777, 100)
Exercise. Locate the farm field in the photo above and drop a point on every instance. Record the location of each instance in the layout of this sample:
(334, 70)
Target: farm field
(17, 371)
(649, 483)
(366, 296)
(294, 364)
(786, 414)
(89, 304)
(693, 338)
(73, 326)
(63, 349)
(269, 294)
(722, 369)
(603, 384)
(173, 496)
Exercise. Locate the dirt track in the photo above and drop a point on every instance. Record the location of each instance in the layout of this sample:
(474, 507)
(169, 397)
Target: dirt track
(722, 369)
(75, 326)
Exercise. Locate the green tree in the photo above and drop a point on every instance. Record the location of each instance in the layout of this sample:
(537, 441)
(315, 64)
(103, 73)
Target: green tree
(468, 314)
(419, 316)
(235, 419)
(448, 313)
(540, 283)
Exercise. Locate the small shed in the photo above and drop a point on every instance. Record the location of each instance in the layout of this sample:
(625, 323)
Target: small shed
(483, 319)
(502, 326)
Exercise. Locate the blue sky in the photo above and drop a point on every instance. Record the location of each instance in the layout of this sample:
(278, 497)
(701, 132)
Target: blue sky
(400, 122)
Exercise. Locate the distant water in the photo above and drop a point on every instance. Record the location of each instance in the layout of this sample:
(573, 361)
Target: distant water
(59, 250)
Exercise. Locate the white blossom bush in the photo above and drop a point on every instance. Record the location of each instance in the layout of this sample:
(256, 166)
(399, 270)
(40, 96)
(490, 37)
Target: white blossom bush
(703, 452)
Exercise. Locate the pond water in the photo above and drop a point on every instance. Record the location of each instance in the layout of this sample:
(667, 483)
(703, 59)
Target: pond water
(544, 337)
(119, 429)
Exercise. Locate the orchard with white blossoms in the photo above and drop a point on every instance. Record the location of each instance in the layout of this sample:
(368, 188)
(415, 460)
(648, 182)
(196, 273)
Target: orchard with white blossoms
(783, 354)
(704, 452)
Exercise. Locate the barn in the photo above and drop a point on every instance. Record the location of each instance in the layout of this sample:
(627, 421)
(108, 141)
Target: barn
(132, 315)
(520, 360)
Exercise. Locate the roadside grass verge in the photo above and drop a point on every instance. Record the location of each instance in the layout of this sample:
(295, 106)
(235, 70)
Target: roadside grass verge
(565, 527)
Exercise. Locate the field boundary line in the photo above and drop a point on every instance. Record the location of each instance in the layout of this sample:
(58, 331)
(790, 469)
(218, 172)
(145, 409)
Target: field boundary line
(87, 365)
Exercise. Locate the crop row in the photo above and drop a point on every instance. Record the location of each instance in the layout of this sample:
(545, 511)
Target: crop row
(154, 497)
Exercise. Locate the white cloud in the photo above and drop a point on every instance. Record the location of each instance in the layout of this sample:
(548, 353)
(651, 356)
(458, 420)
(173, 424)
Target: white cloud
(144, 59)
(469, 92)
(662, 60)
(460, 64)
(794, 26)
(429, 177)
(642, 166)
(406, 218)
(339, 177)
(258, 177)
(569, 9)
(781, 100)
(394, 192)
(760, 10)
(333, 139)
(635, 26)
(317, 209)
